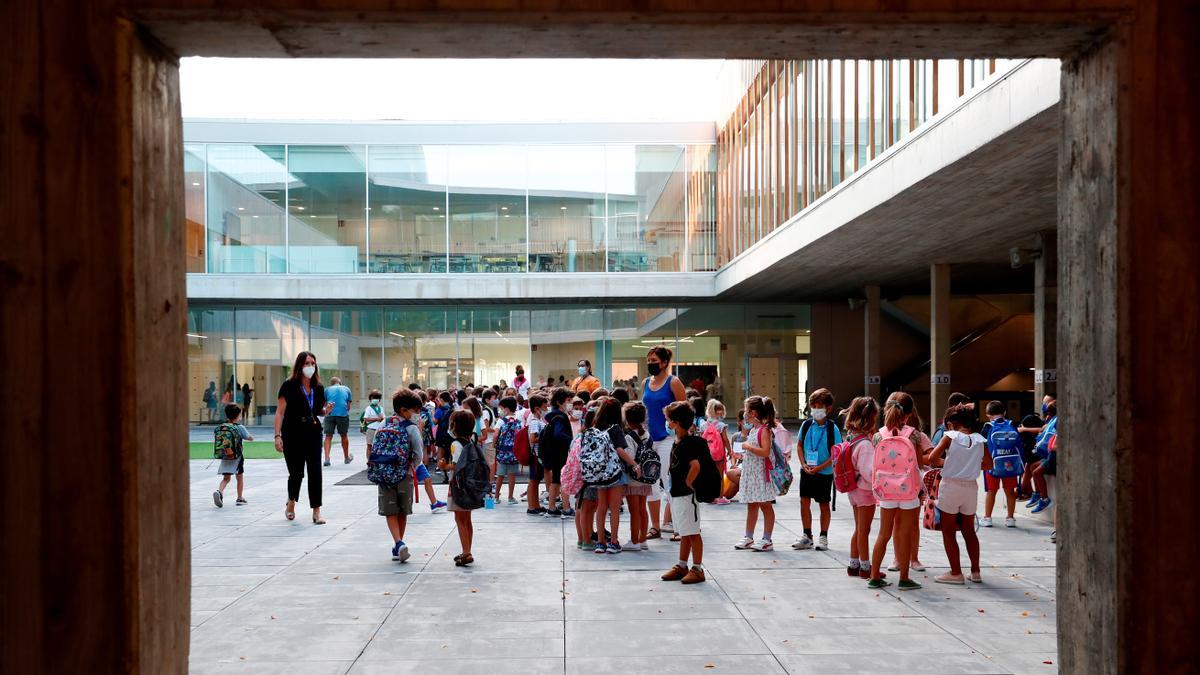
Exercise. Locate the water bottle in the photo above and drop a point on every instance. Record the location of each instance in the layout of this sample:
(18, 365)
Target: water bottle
(489, 502)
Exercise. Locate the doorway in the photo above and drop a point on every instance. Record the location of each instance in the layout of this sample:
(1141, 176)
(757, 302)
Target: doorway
(781, 377)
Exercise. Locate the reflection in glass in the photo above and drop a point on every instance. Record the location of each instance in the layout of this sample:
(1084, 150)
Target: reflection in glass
(492, 342)
(245, 209)
(419, 346)
(646, 190)
(327, 208)
(267, 343)
(193, 205)
(566, 208)
(408, 208)
(348, 342)
(561, 337)
(210, 363)
(487, 208)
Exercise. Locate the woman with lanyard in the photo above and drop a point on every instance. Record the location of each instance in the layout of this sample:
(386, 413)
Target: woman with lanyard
(298, 432)
(586, 380)
(658, 391)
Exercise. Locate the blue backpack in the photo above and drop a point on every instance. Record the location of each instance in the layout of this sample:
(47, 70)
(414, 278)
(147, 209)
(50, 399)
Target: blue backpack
(392, 454)
(506, 441)
(1005, 445)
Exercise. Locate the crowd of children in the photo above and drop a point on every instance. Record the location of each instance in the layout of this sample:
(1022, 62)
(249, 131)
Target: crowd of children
(596, 457)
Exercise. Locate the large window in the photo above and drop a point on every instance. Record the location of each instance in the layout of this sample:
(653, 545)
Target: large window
(646, 190)
(566, 208)
(193, 205)
(245, 199)
(407, 215)
(487, 208)
(327, 208)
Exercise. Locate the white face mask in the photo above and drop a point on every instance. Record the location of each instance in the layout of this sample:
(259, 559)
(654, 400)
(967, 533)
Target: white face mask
(577, 414)
(818, 414)
(568, 407)
(375, 402)
(309, 371)
(413, 417)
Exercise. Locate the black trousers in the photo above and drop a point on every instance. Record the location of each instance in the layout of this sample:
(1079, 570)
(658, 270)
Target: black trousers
(300, 450)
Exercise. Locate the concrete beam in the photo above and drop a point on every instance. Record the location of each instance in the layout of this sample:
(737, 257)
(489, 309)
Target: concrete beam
(434, 289)
(939, 341)
(872, 364)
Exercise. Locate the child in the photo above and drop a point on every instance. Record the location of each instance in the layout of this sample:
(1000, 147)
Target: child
(465, 496)
(506, 436)
(237, 463)
(1040, 500)
(817, 438)
(534, 423)
(716, 434)
(636, 492)
(585, 501)
(554, 442)
(998, 426)
(395, 501)
(371, 417)
(757, 490)
(861, 421)
(900, 517)
(609, 495)
(924, 446)
(685, 460)
(966, 453)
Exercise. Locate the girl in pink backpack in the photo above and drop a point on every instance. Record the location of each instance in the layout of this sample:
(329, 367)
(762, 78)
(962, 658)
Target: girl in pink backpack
(924, 448)
(895, 482)
(862, 419)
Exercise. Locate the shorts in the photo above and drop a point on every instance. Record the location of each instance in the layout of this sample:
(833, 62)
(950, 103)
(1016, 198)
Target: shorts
(663, 448)
(228, 467)
(489, 455)
(638, 489)
(339, 423)
(817, 487)
(395, 500)
(862, 497)
(685, 515)
(422, 473)
(587, 494)
(503, 469)
(906, 506)
(370, 434)
(958, 496)
(536, 472)
(991, 483)
(1050, 464)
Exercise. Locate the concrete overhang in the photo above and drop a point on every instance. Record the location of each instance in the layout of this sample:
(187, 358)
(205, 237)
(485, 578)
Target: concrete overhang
(964, 188)
(435, 289)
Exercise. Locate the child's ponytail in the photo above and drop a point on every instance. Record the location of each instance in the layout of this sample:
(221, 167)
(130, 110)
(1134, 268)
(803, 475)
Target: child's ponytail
(897, 410)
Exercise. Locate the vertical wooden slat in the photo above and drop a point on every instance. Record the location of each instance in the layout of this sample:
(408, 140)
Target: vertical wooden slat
(842, 126)
(912, 94)
(828, 125)
(961, 74)
(804, 145)
(776, 182)
(935, 87)
(871, 108)
(856, 61)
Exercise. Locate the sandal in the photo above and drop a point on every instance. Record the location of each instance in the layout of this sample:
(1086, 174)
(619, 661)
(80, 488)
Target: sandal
(463, 560)
(676, 537)
(289, 511)
(317, 520)
(653, 533)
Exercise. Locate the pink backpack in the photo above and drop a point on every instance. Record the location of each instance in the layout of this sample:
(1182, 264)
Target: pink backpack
(571, 482)
(716, 442)
(845, 471)
(897, 477)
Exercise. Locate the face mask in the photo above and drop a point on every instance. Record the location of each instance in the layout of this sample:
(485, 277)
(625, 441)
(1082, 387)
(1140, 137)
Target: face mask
(375, 402)
(654, 368)
(520, 373)
(577, 414)
(412, 417)
(583, 370)
(1043, 410)
(568, 407)
(309, 371)
(818, 414)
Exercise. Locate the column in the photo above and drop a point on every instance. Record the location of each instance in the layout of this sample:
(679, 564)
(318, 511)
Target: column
(939, 341)
(871, 361)
(1045, 317)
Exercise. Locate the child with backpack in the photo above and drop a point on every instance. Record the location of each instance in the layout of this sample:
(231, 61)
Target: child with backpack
(858, 455)
(758, 491)
(470, 481)
(923, 445)
(507, 466)
(227, 446)
(585, 495)
(534, 423)
(965, 454)
(642, 482)
(692, 473)
(895, 481)
(818, 435)
(715, 432)
(607, 470)
(554, 444)
(1005, 444)
(396, 448)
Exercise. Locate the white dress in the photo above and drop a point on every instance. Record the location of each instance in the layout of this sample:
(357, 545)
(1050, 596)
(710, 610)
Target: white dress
(756, 486)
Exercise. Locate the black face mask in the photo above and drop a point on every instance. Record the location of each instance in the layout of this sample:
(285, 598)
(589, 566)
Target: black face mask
(654, 368)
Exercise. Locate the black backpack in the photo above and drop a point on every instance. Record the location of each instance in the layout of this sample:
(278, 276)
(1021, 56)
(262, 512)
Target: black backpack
(707, 485)
(646, 457)
(470, 483)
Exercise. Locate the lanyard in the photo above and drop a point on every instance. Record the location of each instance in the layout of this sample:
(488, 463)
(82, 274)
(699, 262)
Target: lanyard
(308, 394)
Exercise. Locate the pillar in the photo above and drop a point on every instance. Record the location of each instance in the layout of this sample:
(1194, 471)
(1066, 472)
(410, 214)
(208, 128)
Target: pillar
(1129, 250)
(871, 360)
(1045, 317)
(939, 340)
(94, 561)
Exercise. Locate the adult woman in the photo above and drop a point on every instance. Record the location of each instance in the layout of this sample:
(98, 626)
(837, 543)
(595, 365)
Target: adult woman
(658, 391)
(298, 432)
(586, 380)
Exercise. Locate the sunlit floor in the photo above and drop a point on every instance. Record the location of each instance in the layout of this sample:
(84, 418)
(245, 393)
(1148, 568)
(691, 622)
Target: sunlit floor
(275, 596)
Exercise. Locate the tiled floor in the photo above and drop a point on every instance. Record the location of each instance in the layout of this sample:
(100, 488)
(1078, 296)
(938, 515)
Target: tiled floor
(275, 596)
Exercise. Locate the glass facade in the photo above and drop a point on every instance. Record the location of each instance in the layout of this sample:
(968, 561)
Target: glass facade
(724, 349)
(487, 208)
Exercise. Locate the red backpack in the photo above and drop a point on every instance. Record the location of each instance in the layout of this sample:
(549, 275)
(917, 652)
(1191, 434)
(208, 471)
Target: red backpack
(521, 446)
(845, 471)
(716, 441)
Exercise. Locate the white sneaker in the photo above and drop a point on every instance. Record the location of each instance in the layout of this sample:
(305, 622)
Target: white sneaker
(763, 545)
(822, 543)
(916, 566)
(803, 544)
(985, 521)
(894, 567)
(645, 546)
(631, 546)
(668, 527)
(746, 544)
(1010, 522)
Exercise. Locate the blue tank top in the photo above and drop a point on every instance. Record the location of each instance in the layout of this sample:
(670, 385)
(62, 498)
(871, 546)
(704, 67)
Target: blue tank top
(655, 401)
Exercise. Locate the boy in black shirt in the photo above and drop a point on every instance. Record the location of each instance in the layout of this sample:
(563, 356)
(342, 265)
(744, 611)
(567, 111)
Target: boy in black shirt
(684, 469)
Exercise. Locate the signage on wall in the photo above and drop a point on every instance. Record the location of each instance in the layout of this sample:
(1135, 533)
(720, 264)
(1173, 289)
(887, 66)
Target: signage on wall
(1042, 376)
(939, 378)
(872, 379)
(533, 348)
